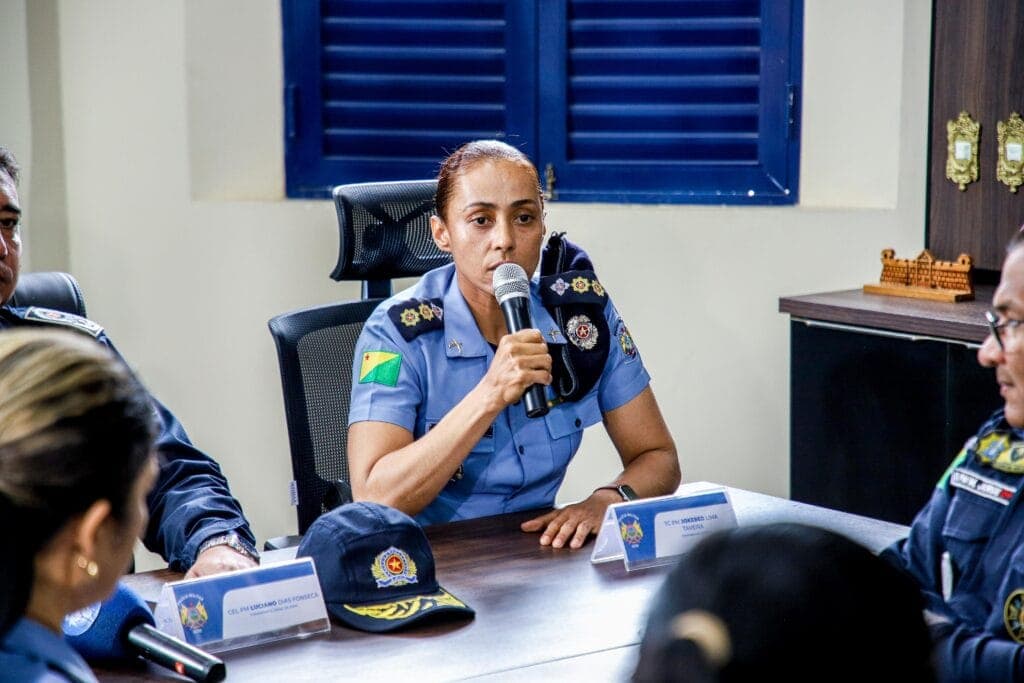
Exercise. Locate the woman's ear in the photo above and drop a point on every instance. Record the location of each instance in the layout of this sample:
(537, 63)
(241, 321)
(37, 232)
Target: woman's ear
(91, 537)
(439, 231)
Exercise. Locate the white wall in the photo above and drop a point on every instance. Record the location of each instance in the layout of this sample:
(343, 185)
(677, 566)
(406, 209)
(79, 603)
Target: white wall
(185, 246)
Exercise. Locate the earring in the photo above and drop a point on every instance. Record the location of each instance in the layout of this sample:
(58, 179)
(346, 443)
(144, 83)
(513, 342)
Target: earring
(90, 566)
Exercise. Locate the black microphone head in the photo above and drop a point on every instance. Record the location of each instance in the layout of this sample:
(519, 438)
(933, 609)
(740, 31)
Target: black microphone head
(100, 632)
(510, 281)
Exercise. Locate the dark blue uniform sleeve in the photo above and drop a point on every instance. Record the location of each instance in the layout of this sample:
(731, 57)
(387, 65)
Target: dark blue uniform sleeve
(961, 653)
(965, 655)
(191, 501)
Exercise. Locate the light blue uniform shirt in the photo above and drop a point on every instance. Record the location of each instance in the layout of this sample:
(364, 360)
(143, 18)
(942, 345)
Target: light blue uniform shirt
(32, 653)
(520, 462)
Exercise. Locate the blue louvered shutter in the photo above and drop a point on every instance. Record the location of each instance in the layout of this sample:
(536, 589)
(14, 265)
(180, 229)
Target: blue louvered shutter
(670, 100)
(383, 89)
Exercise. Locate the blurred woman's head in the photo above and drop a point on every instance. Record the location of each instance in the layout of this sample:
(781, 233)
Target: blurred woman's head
(489, 211)
(76, 432)
(785, 602)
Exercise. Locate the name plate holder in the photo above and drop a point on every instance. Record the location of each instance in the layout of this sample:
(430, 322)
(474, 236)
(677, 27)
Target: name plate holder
(244, 608)
(654, 531)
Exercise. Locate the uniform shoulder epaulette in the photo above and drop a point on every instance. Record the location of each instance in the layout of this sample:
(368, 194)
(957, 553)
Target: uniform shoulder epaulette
(572, 287)
(413, 317)
(54, 317)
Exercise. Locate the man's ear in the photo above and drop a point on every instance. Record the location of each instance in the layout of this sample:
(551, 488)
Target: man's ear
(439, 231)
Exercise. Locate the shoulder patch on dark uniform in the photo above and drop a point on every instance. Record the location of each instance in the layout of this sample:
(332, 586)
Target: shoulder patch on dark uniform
(52, 317)
(571, 293)
(413, 317)
(572, 287)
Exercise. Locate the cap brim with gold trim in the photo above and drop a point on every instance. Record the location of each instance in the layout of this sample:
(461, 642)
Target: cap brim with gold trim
(388, 616)
(376, 568)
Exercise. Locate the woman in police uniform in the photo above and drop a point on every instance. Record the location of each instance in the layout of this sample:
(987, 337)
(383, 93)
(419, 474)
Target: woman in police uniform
(434, 429)
(76, 433)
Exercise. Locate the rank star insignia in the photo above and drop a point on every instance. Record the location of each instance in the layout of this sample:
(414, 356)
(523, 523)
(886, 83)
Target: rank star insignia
(597, 287)
(1012, 615)
(581, 332)
(437, 311)
(426, 312)
(559, 286)
(393, 567)
(580, 284)
(410, 317)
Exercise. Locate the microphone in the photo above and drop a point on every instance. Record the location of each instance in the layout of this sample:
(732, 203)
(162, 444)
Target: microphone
(121, 627)
(512, 290)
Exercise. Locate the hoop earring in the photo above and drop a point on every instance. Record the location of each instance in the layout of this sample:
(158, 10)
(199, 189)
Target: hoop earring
(90, 566)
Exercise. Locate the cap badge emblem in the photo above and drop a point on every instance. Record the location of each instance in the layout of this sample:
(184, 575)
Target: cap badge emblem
(393, 567)
(581, 332)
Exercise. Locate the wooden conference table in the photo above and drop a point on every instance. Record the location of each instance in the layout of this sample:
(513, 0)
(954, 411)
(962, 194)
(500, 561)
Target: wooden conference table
(541, 614)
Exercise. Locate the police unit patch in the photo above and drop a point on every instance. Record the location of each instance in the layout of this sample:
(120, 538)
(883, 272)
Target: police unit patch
(1012, 615)
(77, 623)
(380, 367)
(991, 489)
(48, 315)
(581, 332)
(393, 567)
(626, 342)
(629, 527)
(1011, 460)
(991, 445)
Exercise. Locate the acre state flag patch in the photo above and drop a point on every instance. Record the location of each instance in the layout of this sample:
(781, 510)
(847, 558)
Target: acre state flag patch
(380, 367)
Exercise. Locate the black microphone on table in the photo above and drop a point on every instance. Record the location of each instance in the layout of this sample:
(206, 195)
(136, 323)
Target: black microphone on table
(121, 628)
(512, 290)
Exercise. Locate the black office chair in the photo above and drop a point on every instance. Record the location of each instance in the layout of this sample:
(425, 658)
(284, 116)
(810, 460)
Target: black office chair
(384, 233)
(59, 291)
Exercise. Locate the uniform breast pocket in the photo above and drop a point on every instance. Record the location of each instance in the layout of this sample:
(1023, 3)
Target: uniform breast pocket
(566, 423)
(968, 527)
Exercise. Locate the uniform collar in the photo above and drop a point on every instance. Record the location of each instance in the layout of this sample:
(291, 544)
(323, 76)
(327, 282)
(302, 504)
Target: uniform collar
(462, 337)
(33, 640)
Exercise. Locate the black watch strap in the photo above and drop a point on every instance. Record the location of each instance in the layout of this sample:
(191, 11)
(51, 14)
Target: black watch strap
(624, 490)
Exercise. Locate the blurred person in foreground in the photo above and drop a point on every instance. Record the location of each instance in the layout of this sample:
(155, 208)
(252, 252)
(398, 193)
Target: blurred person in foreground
(784, 602)
(76, 464)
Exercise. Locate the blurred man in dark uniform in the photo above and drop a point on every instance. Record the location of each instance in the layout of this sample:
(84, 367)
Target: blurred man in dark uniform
(965, 546)
(195, 523)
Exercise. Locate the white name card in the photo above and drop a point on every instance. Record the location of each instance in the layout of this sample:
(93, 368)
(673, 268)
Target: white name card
(653, 531)
(243, 608)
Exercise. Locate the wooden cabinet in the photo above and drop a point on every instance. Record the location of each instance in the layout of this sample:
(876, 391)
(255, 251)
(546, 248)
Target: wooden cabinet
(978, 67)
(883, 393)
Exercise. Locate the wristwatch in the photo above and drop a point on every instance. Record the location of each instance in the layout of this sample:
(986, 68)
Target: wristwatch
(624, 490)
(233, 541)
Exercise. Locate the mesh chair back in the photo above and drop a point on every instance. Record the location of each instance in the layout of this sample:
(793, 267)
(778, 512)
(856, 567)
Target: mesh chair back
(59, 291)
(315, 348)
(384, 233)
